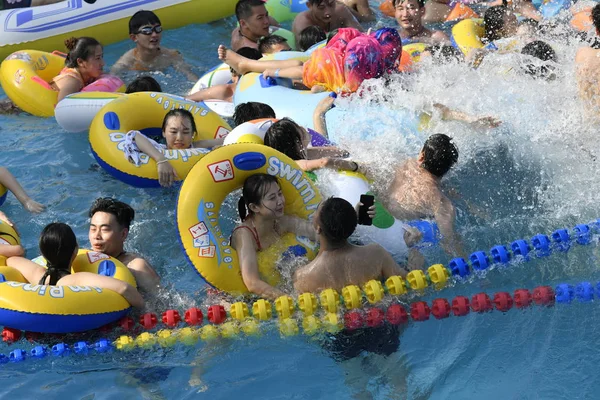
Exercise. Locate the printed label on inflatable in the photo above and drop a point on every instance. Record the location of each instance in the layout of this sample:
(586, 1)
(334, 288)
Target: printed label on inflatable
(198, 230)
(221, 171)
(221, 133)
(94, 256)
(295, 177)
(207, 252)
(57, 292)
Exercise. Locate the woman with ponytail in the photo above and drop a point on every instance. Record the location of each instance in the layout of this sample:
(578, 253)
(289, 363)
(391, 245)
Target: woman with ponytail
(263, 223)
(83, 65)
(59, 247)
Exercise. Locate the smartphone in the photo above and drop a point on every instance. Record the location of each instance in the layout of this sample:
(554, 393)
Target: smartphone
(367, 201)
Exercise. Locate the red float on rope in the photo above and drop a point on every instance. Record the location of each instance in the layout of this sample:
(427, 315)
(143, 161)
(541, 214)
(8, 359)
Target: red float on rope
(148, 320)
(193, 316)
(375, 317)
(522, 298)
(461, 306)
(396, 315)
(419, 311)
(10, 335)
(503, 301)
(216, 314)
(353, 320)
(126, 323)
(440, 308)
(543, 296)
(481, 302)
(171, 318)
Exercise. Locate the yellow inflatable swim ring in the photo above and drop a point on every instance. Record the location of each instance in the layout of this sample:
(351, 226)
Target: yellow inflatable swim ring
(8, 236)
(467, 35)
(215, 176)
(3, 194)
(26, 75)
(63, 309)
(145, 112)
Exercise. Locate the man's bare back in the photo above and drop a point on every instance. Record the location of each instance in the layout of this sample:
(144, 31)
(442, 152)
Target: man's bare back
(351, 265)
(588, 80)
(415, 193)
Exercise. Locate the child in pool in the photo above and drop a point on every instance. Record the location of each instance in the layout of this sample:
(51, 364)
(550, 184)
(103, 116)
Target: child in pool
(8, 181)
(59, 247)
(143, 83)
(179, 130)
(83, 65)
(146, 31)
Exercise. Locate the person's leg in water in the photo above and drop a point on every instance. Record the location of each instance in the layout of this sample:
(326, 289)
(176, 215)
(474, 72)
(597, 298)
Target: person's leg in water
(287, 68)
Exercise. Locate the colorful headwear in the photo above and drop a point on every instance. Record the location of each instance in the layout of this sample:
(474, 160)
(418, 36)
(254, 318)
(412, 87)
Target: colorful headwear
(364, 60)
(325, 67)
(391, 45)
(341, 39)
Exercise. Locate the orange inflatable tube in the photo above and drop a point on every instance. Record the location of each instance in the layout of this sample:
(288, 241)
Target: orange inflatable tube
(387, 7)
(582, 21)
(460, 11)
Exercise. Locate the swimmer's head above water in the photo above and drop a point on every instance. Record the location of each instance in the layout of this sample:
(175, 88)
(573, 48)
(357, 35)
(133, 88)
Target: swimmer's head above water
(310, 36)
(289, 138)
(499, 22)
(261, 195)
(273, 44)
(322, 10)
(438, 155)
(250, 111)
(85, 55)
(543, 61)
(253, 18)
(335, 219)
(59, 247)
(110, 221)
(143, 83)
(179, 129)
(145, 30)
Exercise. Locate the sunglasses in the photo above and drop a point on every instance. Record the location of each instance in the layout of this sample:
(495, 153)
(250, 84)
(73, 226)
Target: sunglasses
(147, 30)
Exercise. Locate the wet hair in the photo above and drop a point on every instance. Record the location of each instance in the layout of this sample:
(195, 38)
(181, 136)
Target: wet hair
(141, 18)
(143, 84)
(180, 112)
(444, 54)
(440, 154)
(250, 53)
(493, 22)
(252, 110)
(80, 48)
(337, 218)
(266, 43)
(243, 8)
(122, 212)
(397, 2)
(284, 136)
(310, 36)
(596, 16)
(544, 52)
(253, 192)
(57, 245)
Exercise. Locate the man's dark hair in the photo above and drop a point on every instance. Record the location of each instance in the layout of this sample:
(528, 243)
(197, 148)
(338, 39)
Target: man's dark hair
(440, 154)
(243, 8)
(284, 136)
(250, 111)
(544, 52)
(266, 43)
(493, 22)
(444, 54)
(141, 18)
(310, 36)
(596, 16)
(337, 218)
(250, 53)
(143, 83)
(123, 212)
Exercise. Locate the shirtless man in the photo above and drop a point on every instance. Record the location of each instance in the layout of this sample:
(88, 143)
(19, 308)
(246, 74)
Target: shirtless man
(146, 31)
(327, 15)
(409, 15)
(415, 191)
(587, 61)
(360, 9)
(109, 226)
(340, 263)
(254, 23)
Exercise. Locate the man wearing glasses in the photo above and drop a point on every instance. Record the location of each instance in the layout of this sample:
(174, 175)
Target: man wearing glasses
(146, 31)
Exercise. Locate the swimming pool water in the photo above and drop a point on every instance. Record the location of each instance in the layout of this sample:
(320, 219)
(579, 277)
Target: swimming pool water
(532, 175)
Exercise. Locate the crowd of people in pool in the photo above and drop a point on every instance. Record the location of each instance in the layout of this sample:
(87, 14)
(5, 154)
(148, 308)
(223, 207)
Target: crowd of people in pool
(351, 55)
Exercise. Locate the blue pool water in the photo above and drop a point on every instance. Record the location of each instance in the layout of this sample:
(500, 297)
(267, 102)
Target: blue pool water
(532, 175)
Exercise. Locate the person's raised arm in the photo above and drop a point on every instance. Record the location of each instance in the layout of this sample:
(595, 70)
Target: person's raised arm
(321, 109)
(298, 226)
(9, 181)
(445, 217)
(218, 92)
(243, 242)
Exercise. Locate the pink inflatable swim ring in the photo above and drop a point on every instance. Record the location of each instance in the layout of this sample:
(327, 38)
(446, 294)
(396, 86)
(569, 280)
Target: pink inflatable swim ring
(106, 83)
